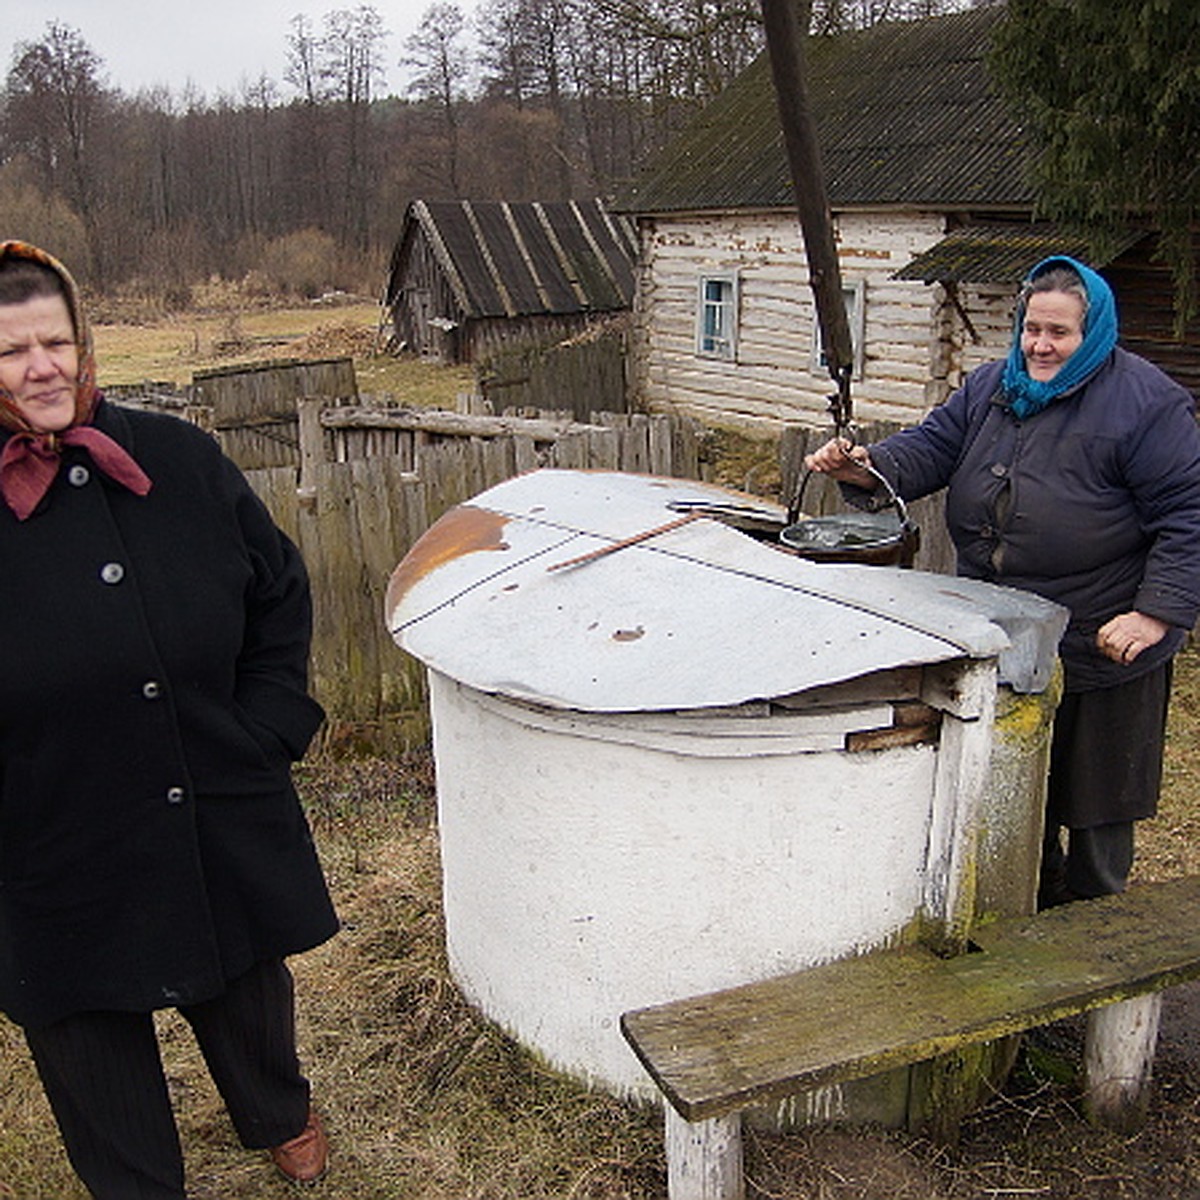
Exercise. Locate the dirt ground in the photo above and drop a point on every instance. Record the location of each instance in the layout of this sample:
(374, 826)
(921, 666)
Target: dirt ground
(1031, 1141)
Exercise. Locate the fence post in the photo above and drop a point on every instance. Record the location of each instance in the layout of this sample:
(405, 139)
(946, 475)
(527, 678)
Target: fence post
(312, 447)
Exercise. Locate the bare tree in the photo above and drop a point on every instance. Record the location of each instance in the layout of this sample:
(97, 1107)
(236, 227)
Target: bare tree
(351, 65)
(303, 69)
(837, 16)
(55, 105)
(437, 52)
(504, 50)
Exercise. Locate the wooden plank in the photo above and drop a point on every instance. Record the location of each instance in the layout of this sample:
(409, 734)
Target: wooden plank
(845, 1020)
(704, 1160)
(343, 681)
(896, 683)
(960, 780)
(893, 736)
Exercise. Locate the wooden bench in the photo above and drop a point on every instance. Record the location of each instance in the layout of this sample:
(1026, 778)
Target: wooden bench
(713, 1055)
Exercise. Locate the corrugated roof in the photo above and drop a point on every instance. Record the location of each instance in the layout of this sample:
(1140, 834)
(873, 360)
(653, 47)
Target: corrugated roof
(906, 115)
(522, 259)
(1003, 253)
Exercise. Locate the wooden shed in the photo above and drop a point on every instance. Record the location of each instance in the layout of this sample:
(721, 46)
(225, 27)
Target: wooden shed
(468, 277)
(934, 222)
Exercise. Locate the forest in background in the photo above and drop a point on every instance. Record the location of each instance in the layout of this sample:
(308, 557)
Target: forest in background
(298, 186)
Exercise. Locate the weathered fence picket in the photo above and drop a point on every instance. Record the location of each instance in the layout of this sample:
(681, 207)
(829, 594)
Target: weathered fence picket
(253, 408)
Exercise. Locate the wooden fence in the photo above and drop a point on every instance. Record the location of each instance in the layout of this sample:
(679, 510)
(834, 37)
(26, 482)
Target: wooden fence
(355, 519)
(822, 497)
(583, 374)
(253, 408)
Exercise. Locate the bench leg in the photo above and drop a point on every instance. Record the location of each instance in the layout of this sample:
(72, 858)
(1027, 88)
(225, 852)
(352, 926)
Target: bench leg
(1118, 1056)
(704, 1158)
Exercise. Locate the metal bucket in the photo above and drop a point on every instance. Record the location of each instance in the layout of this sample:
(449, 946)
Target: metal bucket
(881, 538)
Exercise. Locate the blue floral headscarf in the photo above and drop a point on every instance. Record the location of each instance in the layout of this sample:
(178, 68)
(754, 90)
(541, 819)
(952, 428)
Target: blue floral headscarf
(1028, 395)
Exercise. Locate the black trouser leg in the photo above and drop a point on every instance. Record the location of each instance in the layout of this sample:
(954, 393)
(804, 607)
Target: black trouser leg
(248, 1038)
(1097, 862)
(104, 1080)
(1052, 882)
(1099, 859)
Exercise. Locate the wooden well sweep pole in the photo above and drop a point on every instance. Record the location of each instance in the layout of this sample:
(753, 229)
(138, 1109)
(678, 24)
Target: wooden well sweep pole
(786, 25)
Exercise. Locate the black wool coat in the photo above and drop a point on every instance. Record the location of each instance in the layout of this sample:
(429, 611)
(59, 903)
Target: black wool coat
(153, 671)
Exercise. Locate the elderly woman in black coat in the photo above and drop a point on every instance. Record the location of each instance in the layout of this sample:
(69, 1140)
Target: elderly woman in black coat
(152, 850)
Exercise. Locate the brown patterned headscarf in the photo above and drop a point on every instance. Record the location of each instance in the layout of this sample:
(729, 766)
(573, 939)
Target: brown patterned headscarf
(30, 459)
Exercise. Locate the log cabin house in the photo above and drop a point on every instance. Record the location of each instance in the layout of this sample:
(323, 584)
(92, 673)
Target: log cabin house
(468, 278)
(934, 222)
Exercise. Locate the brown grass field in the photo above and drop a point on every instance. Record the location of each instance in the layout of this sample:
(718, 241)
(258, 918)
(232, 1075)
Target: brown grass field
(170, 350)
(426, 1101)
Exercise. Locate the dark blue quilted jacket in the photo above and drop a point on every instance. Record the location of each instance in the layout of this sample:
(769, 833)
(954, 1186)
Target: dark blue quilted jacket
(1093, 503)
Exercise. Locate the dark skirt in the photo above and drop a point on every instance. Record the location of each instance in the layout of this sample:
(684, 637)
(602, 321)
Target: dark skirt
(1107, 754)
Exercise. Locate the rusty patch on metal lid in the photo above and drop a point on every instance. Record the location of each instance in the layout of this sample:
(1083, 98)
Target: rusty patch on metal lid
(462, 530)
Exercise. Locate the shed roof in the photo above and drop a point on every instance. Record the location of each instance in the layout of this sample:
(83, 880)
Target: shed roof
(505, 259)
(1004, 252)
(906, 115)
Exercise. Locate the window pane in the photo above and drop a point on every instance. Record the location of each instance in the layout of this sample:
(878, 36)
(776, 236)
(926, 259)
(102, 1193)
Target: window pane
(716, 317)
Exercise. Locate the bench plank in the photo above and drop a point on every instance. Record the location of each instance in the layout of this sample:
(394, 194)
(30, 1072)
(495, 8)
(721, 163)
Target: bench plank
(711, 1055)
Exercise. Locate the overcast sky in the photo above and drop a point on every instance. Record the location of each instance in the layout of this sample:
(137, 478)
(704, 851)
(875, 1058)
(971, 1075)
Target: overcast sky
(217, 45)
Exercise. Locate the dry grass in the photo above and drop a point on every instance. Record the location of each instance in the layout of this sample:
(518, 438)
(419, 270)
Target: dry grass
(171, 349)
(427, 1102)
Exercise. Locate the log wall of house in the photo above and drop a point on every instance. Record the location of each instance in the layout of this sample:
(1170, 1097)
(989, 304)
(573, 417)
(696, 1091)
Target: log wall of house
(916, 345)
(1146, 311)
(990, 308)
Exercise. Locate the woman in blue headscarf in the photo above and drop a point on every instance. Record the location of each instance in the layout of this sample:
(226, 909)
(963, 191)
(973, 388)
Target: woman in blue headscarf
(1072, 470)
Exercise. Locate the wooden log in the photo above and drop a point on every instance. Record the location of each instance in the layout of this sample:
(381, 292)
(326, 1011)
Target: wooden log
(1118, 1058)
(451, 424)
(704, 1158)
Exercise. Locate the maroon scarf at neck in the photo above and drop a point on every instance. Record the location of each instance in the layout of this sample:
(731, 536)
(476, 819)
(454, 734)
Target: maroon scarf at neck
(30, 461)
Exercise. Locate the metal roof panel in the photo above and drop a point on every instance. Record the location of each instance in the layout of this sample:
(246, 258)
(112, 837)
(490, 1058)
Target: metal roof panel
(510, 259)
(1003, 253)
(694, 616)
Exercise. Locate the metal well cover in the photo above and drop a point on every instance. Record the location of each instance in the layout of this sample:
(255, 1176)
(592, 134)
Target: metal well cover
(695, 616)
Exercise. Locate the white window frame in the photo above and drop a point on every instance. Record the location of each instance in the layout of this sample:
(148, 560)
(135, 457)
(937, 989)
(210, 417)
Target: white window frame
(720, 347)
(855, 295)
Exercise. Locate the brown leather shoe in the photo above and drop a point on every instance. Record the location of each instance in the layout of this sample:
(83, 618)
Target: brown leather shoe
(306, 1157)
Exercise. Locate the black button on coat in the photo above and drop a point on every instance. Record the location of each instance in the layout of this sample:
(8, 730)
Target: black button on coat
(153, 674)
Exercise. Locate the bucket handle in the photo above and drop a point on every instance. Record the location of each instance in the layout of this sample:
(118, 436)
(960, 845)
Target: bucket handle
(893, 500)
